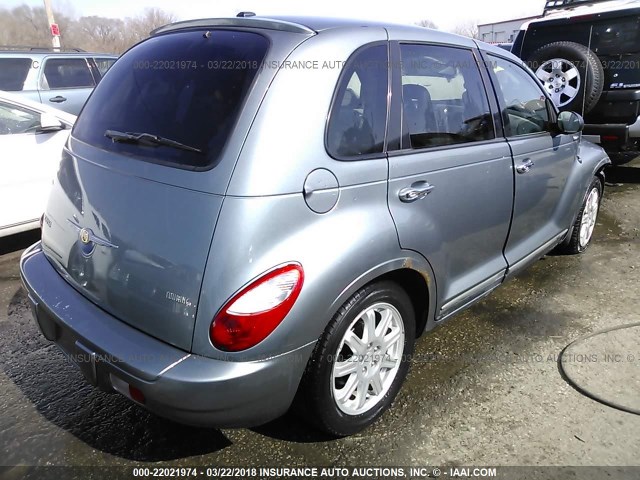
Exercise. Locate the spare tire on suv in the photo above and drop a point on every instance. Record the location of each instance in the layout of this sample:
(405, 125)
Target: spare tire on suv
(571, 73)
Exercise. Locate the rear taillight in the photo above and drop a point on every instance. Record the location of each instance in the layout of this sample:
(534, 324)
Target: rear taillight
(609, 138)
(251, 315)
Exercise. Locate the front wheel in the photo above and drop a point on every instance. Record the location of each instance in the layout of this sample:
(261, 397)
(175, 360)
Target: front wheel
(586, 220)
(361, 360)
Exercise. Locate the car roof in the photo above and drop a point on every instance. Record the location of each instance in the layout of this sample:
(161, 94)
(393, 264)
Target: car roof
(295, 24)
(39, 107)
(319, 24)
(582, 10)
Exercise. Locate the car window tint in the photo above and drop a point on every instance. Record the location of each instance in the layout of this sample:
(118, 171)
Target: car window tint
(444, 101)
(525, 107)
(17, 120)
(104, 64)
(68, 73)
(178, 87)
(13, 72)
(359, 113)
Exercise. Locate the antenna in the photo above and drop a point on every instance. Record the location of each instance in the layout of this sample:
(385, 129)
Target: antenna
(245, 14)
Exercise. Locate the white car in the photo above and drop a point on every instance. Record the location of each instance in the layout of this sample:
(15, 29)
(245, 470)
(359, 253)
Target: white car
(31, 139)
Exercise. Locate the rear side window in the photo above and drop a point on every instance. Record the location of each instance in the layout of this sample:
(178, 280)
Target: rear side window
(443, 97)
(13, 72)
(359, 113)
(104, 64)
(185, 87)
(67, 73)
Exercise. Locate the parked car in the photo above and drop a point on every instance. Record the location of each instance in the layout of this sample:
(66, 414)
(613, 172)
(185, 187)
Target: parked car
(587, 54)
(63, 80)
(31, 140)
(256, 210)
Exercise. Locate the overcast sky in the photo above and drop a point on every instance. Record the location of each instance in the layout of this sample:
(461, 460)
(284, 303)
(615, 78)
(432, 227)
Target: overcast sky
(445, 13)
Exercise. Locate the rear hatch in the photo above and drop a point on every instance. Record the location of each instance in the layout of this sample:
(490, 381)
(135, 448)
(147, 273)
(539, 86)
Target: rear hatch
(132, 213)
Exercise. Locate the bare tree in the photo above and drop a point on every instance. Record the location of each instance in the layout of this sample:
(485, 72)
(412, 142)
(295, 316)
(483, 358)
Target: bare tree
(468, 29)
(139, 27)
(101, 34)
(427, 24)
(24, 25)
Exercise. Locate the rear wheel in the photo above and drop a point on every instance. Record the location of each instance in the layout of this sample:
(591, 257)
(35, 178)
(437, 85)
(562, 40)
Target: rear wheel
(361, 360)
(571, 74)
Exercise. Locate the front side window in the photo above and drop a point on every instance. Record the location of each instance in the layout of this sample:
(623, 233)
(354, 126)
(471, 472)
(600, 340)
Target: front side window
(443, 97)
(17, 120)
(13, 73)
(523, 102)
(178, 94)
(358, 117)
(67, 73)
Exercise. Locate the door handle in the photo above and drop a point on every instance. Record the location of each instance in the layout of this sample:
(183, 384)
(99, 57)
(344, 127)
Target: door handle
(416, 191)
(525, 167)
(58, 99)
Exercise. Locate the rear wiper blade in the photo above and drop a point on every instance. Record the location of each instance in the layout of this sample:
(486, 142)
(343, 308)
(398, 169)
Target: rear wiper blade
(147, 139)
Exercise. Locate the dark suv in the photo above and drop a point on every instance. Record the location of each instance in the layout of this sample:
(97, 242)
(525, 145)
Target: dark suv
(587, 55)
(63, 80)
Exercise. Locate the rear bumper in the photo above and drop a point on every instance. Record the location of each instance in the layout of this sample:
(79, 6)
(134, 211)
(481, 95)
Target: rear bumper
(177, 385)
(616, 118)
(621, 130)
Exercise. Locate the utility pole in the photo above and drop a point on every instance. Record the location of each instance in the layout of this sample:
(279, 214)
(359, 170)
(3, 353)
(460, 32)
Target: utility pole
(53, 27)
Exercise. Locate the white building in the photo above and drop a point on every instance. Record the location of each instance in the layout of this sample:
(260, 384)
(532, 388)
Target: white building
(501, 32)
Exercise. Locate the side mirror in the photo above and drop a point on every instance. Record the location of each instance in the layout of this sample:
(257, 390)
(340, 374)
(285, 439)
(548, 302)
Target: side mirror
(570, 122)
(49, 123)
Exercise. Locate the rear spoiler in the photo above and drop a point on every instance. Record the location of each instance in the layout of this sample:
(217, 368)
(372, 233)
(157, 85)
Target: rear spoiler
(251, 22)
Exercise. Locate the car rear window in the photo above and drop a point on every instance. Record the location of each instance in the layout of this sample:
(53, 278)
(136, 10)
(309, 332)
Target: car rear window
(187, 87)
(13, 72)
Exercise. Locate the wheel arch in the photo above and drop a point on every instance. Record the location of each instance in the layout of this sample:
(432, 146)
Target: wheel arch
(413, 273)
(595, 161)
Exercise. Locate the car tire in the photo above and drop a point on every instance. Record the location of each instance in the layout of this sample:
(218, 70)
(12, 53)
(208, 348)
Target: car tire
(585, 223)
(571, 73)
(356, 370)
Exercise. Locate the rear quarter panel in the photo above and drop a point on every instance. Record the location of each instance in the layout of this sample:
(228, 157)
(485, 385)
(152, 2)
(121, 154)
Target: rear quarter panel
(254, 234)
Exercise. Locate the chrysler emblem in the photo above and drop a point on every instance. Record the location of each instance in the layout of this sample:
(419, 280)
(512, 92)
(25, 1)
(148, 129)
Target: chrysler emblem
(89, 240)
(85, 236)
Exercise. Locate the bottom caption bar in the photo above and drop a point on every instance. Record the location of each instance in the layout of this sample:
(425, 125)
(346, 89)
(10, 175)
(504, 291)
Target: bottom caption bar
(315, 472)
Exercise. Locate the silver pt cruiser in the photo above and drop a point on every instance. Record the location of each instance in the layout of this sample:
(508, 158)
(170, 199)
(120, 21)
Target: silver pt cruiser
(252, 213)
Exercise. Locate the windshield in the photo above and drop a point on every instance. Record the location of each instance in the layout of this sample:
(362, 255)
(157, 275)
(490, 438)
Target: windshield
(188, 87)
